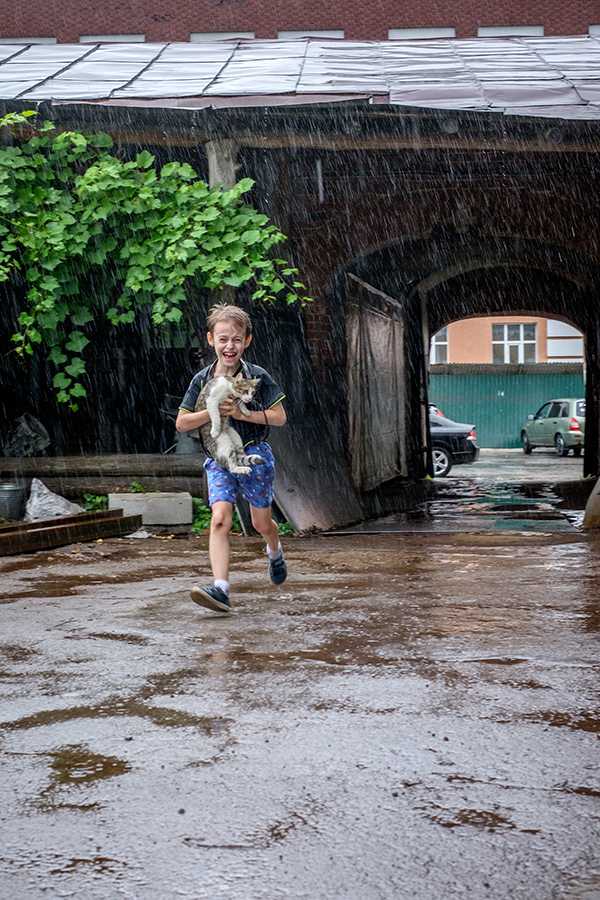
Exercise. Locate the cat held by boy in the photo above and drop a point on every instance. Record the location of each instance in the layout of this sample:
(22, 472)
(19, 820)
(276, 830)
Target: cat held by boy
(221, 441)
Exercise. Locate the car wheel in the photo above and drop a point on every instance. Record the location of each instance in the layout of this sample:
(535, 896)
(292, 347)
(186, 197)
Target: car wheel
(527, 448)
(442, 462)
(560, 446)
(576, 451)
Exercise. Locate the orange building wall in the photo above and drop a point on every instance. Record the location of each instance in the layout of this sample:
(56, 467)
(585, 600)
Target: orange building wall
(470, 340)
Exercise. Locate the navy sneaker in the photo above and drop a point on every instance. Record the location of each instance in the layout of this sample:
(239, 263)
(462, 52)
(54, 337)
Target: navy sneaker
(277, 570)
(211, 598)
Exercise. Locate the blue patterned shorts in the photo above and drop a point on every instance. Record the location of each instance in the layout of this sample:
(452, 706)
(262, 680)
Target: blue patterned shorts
(256, 488)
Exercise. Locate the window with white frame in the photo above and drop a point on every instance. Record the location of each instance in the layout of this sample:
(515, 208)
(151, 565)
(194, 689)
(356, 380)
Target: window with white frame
(438, 351)
(564, 342)
(513, 342)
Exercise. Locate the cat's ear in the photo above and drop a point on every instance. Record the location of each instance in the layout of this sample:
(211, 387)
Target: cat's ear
(255, 382)
(239, 376)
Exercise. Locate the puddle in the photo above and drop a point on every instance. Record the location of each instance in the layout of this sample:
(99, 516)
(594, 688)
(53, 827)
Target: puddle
(202, 844)
(100, 865)
(49, 586)
(168, 682)
(583, 790)
(158, 715)
(56, 864)
(76, 764)
(16, 653)
(466, 506)
(499, 661)
(344, 650)
(125, 638)
(486, 819)
(581, 721)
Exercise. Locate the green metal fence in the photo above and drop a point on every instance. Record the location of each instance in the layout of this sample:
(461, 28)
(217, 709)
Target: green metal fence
(498, 399)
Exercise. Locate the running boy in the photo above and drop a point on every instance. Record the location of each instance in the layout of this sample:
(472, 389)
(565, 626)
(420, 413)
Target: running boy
(230, 332)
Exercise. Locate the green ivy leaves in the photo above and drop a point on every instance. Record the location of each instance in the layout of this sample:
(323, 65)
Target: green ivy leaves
(69, 208)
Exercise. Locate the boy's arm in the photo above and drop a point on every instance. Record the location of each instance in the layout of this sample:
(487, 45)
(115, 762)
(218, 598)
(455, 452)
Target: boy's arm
(273, 416)
(186, 421)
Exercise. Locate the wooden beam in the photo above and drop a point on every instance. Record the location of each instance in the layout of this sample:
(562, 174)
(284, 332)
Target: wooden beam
(342, 142)
(109, 465)
(41, 536)
(222, 165)
(74, 488)
(99, 515)
(222, 169)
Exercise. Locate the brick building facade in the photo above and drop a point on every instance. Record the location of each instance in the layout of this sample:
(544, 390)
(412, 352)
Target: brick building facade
(150, 20)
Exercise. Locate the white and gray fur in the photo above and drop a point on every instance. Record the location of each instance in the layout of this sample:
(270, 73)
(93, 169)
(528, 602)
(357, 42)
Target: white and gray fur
(220, 440)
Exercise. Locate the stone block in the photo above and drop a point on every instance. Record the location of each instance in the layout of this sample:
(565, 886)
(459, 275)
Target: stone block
(164, 508)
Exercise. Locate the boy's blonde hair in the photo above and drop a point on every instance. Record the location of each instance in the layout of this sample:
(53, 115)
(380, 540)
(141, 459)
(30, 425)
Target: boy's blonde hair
(226, 312)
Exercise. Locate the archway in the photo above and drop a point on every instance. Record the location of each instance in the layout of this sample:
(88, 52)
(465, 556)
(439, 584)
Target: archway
(445, 275)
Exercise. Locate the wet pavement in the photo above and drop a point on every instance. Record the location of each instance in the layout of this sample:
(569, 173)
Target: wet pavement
(513, 466)
(409, 715)
(503, 491)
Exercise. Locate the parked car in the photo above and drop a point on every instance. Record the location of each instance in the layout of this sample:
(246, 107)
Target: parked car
(452, 443)
(559, 424)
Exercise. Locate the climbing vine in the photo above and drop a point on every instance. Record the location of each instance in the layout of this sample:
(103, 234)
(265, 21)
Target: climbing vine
(69, 209)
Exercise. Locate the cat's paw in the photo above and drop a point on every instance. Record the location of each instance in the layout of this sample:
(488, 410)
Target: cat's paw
(215, 432)
(241, 470)
(256, 460)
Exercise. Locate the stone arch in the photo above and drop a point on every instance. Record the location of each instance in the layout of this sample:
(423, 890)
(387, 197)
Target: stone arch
(447, 275)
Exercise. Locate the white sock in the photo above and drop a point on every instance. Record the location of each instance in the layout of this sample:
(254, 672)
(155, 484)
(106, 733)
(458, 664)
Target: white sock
(224, 585)
(275, 554)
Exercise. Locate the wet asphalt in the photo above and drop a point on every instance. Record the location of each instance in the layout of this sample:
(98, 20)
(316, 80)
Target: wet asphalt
(408, 716)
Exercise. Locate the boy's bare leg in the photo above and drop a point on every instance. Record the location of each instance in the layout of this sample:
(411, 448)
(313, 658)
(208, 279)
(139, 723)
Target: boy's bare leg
(265, 525)
(263, 522)
(218, 543)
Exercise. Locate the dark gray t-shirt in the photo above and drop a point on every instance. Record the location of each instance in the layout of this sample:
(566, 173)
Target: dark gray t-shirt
(268, 394)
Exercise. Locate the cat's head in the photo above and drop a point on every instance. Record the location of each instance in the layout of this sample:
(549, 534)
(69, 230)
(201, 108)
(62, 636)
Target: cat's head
(243, 388)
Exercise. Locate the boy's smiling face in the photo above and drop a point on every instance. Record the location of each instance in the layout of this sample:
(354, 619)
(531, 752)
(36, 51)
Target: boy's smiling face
(230, 341)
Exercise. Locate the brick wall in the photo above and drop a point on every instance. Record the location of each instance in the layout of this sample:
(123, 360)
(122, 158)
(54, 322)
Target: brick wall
(67, 20)
(359, 215)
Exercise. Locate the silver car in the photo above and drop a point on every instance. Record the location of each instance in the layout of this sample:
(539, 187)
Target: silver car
(559, 424)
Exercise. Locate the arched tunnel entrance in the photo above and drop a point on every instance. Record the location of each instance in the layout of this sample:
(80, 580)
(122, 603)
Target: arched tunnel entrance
(447, 276)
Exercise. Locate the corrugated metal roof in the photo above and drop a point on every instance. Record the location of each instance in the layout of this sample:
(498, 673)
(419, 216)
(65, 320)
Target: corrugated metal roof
(558, 76)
